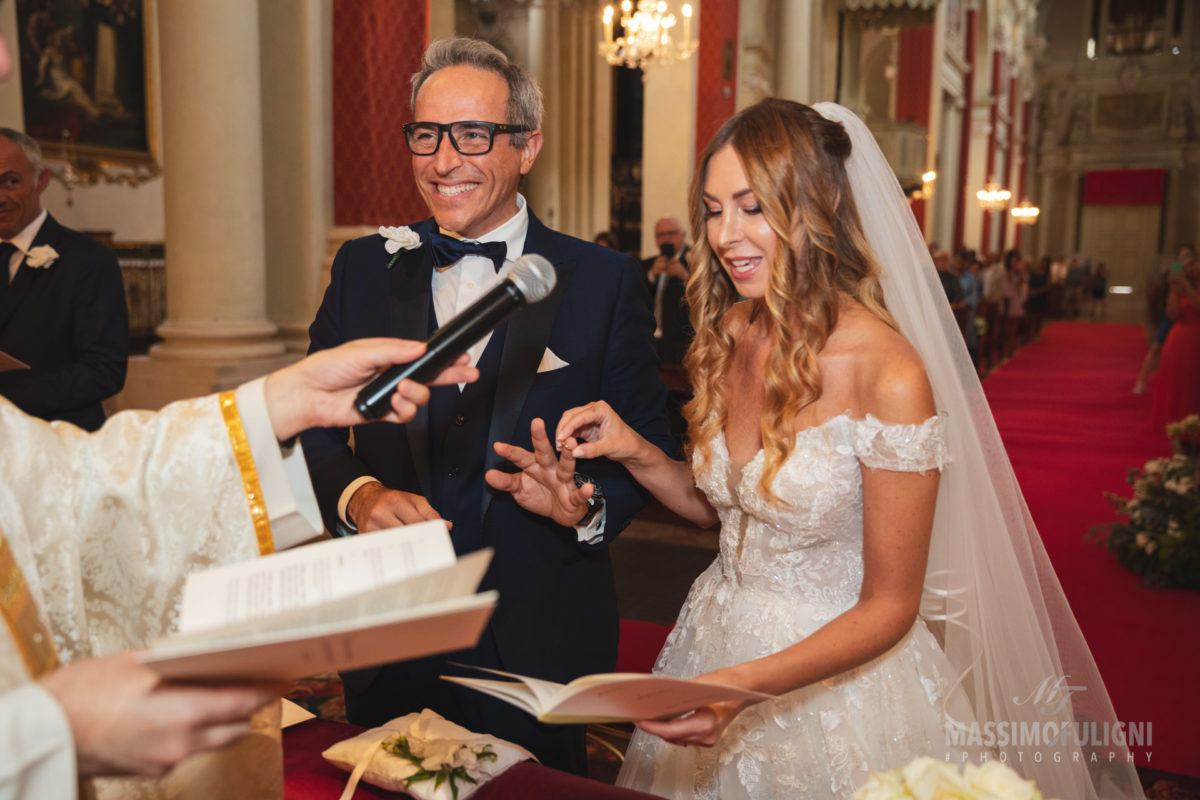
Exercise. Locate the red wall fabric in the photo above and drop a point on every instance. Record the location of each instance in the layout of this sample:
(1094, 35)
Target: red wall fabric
(377, 45)
(1123, 187)
(716, 85)
(914, 75)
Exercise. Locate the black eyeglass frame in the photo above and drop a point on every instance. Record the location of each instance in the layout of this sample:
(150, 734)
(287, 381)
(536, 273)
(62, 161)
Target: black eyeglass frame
(444, 128)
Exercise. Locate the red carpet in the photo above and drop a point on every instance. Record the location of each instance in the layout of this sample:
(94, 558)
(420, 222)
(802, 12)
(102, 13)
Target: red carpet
(1072, 427)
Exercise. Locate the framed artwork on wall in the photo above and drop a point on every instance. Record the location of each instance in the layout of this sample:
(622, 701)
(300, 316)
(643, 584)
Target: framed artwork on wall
(85, 88)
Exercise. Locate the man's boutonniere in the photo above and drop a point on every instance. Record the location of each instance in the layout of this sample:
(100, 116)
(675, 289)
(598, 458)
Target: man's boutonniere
(397, 239)
(41, 256)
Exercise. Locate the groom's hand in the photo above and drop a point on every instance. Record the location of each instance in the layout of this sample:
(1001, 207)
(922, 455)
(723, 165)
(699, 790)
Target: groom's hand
(375, 507)
(546, 483)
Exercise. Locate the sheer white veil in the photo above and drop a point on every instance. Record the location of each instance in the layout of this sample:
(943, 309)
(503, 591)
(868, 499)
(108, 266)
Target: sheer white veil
(991, 595)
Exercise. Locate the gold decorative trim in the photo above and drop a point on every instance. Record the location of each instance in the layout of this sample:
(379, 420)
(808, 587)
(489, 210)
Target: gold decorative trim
(21, 615)
(250, 484)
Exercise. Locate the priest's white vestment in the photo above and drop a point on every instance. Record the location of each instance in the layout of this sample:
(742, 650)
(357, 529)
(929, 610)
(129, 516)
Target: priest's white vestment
(98, 532)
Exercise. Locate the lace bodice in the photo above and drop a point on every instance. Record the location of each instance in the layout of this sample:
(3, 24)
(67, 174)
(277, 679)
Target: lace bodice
(812, 545)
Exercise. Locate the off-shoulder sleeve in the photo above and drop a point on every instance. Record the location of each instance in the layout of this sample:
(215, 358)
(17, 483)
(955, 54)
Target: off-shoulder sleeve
(903, 448)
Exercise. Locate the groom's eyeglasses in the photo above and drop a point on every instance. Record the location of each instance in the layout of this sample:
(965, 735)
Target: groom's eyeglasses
(468, 138)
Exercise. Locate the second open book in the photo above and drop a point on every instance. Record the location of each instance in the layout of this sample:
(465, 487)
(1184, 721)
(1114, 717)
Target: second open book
(608, 697)
(337, 605)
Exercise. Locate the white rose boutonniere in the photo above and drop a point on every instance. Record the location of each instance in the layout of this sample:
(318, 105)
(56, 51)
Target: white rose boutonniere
(41, 256)
(398, 238)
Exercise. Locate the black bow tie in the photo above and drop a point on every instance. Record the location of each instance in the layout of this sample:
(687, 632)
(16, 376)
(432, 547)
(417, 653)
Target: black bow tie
(447, 250)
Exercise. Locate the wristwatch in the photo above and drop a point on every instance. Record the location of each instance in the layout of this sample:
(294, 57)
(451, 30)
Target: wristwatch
(595, 502)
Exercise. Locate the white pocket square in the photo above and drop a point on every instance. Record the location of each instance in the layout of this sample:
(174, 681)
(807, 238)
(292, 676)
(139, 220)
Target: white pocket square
(551, 362)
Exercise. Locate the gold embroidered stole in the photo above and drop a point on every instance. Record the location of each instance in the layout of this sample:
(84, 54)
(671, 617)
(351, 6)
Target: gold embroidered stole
(245, 462)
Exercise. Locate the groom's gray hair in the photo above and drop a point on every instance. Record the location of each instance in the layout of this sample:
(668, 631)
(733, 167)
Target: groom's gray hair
(524, 95)
(29, 145)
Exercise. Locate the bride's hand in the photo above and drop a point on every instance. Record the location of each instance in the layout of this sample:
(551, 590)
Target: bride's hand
(595, 431)
(702, 726)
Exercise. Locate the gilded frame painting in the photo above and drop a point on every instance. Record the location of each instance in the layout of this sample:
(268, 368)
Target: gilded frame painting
(86, 88)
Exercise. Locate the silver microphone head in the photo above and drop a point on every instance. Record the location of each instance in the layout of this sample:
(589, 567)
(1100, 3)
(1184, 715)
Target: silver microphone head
(534, 276)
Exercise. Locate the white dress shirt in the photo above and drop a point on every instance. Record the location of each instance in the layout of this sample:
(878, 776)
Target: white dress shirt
(24, 241)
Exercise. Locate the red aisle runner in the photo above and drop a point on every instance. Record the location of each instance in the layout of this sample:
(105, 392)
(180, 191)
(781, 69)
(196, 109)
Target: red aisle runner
(1072, 427)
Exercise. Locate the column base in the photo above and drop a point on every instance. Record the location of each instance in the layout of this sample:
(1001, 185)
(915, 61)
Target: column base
(216, 341)
(151, 383)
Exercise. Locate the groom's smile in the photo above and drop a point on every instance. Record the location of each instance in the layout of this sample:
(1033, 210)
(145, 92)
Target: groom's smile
(470, 194)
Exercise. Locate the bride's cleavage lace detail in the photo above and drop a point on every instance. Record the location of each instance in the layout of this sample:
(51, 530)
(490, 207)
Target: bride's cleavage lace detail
(785, 570)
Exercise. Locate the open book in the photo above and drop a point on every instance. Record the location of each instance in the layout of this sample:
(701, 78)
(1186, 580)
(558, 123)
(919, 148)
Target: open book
(340, 604)
(8, 362)
(610, 697)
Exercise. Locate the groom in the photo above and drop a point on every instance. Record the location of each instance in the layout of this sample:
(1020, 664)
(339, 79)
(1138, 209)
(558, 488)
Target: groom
(477, 132)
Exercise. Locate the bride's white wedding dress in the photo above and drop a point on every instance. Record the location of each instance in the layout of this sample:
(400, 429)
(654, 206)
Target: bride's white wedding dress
(782, 573)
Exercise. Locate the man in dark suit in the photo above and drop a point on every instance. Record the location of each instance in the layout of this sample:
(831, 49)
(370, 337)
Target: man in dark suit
(667, 274)
(62, 303)
(476, 134)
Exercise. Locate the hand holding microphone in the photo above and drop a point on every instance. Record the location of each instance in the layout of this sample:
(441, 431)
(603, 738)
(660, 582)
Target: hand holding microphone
(530, 279)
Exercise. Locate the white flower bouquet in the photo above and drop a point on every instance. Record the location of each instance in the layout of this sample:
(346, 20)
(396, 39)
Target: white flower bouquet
(930, 779)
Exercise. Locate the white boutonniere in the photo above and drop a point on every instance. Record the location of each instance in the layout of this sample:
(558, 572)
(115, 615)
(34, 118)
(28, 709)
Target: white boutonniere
(397, 238)
(41, 256)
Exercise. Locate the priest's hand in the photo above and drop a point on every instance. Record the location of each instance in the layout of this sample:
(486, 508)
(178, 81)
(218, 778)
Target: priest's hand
(546, 483)
(319, 391)
(126, 721)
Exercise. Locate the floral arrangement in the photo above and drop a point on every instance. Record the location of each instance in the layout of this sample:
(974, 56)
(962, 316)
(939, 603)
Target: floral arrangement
(930, 779)
(1160, 540)
(440, 761)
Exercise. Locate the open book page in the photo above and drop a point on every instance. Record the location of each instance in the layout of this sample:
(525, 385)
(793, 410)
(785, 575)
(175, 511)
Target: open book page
(343, 604)
(8, 362)
(609, 697)
(312, 574)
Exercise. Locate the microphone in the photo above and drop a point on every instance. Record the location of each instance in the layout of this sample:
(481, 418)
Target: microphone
(530, 279)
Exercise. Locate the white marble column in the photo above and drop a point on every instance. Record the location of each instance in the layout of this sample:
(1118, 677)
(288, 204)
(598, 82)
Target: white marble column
(213, 184)
(800, 37)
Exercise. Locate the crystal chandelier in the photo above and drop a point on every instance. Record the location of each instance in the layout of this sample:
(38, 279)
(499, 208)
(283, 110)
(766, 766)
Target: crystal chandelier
(992, 197)
(1026, 213)
(647, 35)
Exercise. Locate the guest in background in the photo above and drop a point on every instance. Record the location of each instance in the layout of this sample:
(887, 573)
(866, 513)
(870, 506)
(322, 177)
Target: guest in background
(953, 289)
(1097, 291)
(1157, 289)
(1077, 274)
(1038, 301)
(667, 273)
(1015, 289)
(1056, 296)
(606, 239)
(972, 293)
(1177, 389)
(62, 303)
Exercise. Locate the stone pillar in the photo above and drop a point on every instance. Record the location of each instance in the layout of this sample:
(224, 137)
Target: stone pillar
(216, 334)
(800, 49)
(213, 186)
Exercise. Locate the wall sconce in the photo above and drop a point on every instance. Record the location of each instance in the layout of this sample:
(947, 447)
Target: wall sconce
(1026, 213)
(992, 197)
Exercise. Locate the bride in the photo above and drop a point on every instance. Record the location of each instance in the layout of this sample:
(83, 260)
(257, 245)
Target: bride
(878, 572)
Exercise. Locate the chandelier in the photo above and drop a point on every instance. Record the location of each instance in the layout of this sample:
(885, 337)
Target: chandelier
(1026, 213)
(647, 35)
(992, 197)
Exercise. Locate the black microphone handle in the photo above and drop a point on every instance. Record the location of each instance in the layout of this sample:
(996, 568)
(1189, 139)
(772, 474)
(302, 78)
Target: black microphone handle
(447, 343)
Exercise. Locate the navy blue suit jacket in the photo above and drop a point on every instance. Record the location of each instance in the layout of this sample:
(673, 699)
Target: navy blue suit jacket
(69, 323)
(557, 616)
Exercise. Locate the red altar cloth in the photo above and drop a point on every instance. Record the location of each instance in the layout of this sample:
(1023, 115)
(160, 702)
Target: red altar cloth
(307, 776)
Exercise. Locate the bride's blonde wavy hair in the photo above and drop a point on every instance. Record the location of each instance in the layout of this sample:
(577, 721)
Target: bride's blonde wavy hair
(794, 160)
